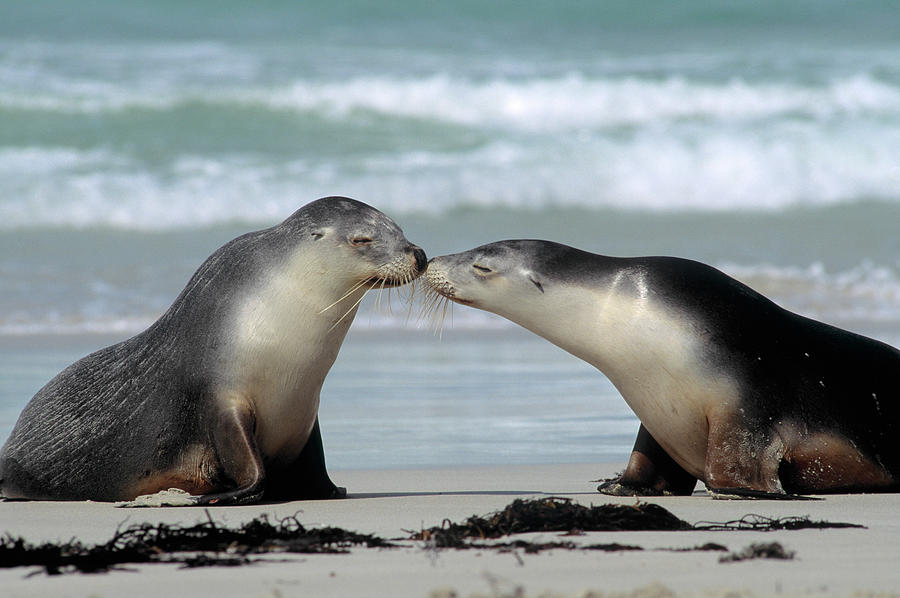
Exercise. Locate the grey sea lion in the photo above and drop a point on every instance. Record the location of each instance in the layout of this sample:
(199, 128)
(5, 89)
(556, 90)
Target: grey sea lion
(730, 388)
(220, 396)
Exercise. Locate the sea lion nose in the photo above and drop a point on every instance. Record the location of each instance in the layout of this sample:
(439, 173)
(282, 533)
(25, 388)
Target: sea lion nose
(421, 259)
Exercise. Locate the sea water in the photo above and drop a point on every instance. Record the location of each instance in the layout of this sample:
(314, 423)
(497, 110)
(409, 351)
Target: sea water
(136, 137)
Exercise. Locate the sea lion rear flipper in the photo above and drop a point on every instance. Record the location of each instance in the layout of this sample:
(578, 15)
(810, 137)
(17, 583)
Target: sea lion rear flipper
(650, 472)
(744, 493)
(743, 458)
(307, 478)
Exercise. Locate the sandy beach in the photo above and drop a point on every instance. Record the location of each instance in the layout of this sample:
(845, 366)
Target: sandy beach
(390, 504)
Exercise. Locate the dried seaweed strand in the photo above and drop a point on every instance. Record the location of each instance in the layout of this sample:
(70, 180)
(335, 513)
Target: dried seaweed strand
(761, 523)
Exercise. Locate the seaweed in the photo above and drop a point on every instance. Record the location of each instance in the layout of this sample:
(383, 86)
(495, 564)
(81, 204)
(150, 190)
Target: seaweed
(203, 544)
(552, 514)
(708, 547)
(766, 550)
(537, 547)
(206, 560)
(210, 544)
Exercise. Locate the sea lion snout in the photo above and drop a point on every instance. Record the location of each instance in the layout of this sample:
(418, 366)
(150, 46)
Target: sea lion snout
(420, 257)
(436, 277)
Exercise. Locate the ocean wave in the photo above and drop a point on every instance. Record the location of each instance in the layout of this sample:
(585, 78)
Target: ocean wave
(561, 103)
(576, 102)
(89, 78)
(66, 188)
(717, 170)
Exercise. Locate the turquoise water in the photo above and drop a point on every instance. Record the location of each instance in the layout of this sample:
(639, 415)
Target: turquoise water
(137, 137)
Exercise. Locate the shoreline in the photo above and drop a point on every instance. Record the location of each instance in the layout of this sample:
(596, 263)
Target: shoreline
(395, 503)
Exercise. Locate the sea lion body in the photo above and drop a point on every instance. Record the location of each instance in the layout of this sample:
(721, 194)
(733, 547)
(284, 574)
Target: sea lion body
(219, 397)
(729, 387)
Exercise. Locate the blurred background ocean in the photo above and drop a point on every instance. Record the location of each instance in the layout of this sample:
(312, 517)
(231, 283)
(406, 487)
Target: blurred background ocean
(136, 137)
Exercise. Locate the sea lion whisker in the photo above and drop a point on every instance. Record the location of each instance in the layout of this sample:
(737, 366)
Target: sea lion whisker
(379, 298)
(435, 302)
(352, 290)
(377, 303)
(429, 301)
(447, 305)
(410, 298)
(352, 307)
(380, 291)
(434, 309)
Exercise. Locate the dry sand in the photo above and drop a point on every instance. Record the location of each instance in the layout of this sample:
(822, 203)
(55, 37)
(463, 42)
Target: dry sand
(831, 562)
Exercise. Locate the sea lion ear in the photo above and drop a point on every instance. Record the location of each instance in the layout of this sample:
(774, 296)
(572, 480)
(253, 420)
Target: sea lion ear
(536, 283)
(317, 234)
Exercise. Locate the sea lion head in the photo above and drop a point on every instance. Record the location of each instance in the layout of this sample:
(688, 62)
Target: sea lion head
(360, 242)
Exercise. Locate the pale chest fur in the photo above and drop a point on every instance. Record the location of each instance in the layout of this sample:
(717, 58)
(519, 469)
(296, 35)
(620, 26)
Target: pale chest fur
(654, 359)
(282, 349)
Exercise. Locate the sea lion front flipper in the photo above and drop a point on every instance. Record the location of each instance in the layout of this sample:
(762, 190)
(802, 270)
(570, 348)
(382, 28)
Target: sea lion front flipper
(239, 457)
(230, 460)
(650, 472)
(307, 478)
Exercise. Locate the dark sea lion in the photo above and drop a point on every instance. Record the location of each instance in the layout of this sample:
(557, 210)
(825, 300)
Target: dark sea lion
(729, 387)
(219, 397)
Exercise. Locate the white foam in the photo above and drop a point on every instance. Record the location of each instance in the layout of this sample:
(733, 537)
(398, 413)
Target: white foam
(576, 102)
(722, 170)
(161, 76)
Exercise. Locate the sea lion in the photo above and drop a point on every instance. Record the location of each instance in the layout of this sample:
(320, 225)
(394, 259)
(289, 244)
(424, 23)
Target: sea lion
(219, 397)
(729, 387)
